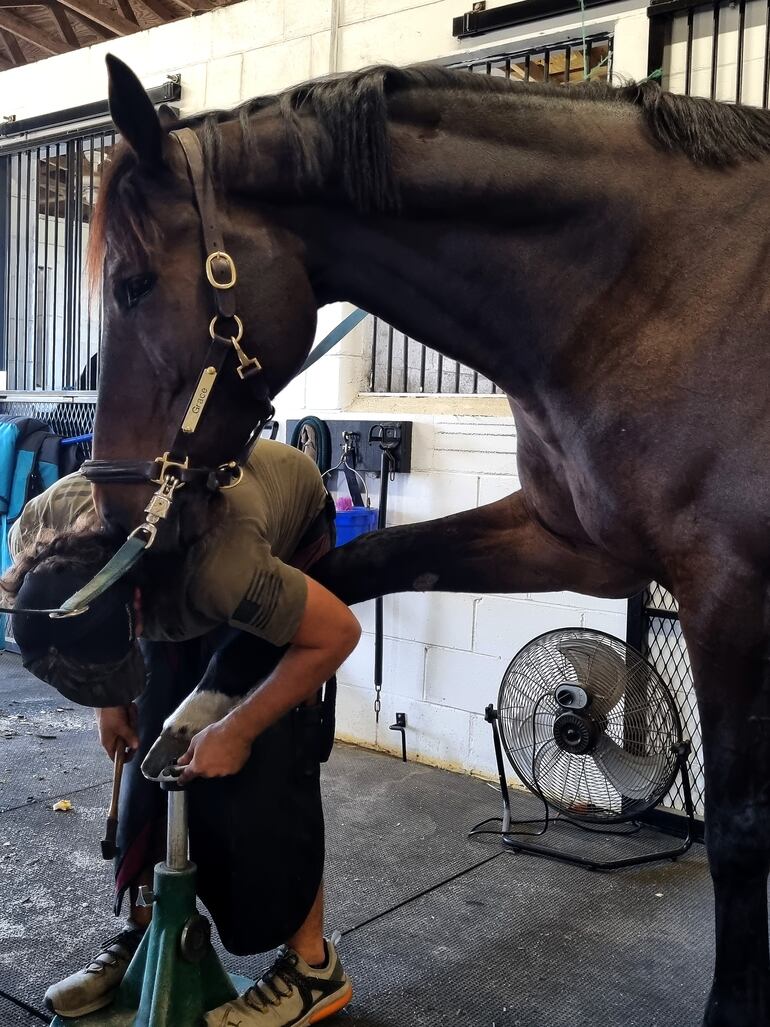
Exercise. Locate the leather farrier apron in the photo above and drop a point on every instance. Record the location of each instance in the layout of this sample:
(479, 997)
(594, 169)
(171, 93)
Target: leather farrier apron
(257, 837)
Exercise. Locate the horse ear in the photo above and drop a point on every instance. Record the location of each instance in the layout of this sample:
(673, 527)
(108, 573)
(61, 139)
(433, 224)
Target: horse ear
(134, 114)
(168, 116)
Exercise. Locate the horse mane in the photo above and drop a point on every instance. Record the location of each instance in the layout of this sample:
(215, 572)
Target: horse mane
(353, 109)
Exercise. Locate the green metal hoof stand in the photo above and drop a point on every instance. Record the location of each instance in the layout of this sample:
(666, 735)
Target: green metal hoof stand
(175, 976)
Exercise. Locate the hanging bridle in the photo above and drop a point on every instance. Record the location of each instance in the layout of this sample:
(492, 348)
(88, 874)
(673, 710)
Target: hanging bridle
(172, 471)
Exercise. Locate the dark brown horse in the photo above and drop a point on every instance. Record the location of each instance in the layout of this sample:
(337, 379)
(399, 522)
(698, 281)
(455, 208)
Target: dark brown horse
(603, 256)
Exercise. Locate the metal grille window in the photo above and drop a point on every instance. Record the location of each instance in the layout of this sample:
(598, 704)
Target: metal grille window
(50, 330)
(718, 50)
(399, 364)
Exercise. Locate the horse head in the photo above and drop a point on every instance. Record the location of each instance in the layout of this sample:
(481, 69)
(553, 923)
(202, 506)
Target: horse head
(181, 351)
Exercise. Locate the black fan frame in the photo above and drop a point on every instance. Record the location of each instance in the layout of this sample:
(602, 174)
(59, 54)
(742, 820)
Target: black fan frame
(588, 818)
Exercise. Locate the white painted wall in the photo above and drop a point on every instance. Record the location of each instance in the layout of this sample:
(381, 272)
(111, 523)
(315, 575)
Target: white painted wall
(444, 654)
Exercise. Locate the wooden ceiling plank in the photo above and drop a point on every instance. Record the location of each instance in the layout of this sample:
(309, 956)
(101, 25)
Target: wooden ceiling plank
(22, 3)
(13, 47)
(63, 24)
(104, 16)
(31, 33)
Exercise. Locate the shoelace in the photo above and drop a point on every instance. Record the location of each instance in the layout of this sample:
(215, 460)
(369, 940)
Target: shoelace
(129, 939)
(284, 969)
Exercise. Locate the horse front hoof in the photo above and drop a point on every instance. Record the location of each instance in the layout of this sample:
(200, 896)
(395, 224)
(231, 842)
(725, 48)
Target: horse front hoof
(166, 750)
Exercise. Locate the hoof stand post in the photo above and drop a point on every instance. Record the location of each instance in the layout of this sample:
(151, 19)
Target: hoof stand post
(175, 976)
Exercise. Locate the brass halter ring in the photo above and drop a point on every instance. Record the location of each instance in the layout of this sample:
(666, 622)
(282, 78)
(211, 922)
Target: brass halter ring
(233, 338)
(231, 466)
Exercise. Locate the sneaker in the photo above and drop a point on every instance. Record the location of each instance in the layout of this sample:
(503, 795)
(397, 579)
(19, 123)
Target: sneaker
(94, 987)
(290, 994)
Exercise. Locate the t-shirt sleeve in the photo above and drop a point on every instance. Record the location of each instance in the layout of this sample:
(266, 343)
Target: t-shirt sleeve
(261, 594)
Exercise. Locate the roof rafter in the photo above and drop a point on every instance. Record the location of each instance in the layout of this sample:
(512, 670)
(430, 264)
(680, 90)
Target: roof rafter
(63, 24)
(31, 33)
(12, 45)
(104, 16)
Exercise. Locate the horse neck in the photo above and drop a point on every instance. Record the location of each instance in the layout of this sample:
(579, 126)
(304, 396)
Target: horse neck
(517, 209)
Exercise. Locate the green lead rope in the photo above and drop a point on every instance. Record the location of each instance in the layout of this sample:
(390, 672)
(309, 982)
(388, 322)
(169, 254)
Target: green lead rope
(121, 563)
(132, 549)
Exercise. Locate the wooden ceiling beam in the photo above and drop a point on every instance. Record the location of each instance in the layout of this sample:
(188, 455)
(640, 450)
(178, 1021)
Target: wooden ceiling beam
(161, 8)
(13, 47)
(66, 30)
(197, 6)
(100, 30)
(104, 16)
(32, 34)
(127, 11)
(4, 4)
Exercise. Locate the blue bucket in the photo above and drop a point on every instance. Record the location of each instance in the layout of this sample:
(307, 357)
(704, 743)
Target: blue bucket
(355, 522)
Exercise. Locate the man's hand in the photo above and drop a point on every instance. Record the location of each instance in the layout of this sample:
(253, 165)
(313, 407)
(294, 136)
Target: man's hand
(218, 750)
(117, 727)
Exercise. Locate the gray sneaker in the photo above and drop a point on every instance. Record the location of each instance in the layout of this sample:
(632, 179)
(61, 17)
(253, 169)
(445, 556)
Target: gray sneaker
(94, 987)
(290, 994)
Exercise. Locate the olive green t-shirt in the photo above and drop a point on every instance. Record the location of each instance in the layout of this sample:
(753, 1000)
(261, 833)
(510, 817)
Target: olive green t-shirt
(240, 572)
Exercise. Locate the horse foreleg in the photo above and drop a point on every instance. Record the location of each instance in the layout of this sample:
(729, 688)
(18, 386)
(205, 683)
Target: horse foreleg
(495, 548)
(729, 658)
(239, 663)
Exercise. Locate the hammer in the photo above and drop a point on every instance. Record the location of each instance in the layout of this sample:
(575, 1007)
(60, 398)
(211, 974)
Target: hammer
(108, 843)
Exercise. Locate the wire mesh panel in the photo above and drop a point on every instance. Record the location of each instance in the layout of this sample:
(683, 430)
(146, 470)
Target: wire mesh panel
(68, 418)
(50, 330)
(400, 364)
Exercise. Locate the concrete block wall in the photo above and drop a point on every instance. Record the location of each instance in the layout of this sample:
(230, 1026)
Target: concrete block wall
(444, 654)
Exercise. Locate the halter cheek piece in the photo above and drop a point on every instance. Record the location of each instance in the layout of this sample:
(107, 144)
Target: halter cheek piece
(172, 471)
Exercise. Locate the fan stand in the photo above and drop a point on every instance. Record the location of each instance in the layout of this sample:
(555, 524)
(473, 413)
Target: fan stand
(518, 842)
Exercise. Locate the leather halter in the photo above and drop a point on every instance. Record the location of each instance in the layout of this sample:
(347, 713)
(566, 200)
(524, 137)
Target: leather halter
(226, 332)
(172, 471)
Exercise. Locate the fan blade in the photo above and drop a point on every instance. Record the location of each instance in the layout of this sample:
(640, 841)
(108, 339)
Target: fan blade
(529, 737)
(635, 777)
(600, 670)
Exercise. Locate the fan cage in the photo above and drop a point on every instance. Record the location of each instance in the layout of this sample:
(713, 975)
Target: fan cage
(644, 722)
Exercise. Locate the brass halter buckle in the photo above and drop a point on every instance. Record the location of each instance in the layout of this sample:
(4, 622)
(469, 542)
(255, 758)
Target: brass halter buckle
(230, 263)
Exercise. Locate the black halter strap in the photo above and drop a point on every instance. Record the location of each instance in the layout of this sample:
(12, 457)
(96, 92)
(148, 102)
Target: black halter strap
(225, 332)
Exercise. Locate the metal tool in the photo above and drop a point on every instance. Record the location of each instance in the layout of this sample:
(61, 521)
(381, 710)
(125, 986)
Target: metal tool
(108, 842)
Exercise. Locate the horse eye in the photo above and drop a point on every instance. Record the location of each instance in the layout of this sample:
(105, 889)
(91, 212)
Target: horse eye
(138, 287)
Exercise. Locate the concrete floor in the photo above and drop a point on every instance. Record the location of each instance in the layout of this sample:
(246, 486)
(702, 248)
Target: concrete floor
(437, 929)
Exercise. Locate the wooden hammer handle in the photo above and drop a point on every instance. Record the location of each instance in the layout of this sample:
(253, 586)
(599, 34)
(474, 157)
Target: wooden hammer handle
(117, 775)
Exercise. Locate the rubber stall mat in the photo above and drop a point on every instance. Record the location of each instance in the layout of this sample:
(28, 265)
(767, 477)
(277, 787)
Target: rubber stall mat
(47, 745)
(12, 1015)
(394, 829)
(524, 942)
(56, 893)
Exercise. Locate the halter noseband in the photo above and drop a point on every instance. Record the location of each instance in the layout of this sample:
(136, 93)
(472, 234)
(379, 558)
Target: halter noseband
(172, 470)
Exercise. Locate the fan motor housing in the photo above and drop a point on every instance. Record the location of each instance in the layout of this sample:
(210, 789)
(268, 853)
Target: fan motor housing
(576, 733)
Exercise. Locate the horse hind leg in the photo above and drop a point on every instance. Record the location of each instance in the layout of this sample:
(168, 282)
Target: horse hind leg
(730, 666)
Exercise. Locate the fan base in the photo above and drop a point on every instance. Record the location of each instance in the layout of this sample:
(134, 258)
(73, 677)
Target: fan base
(521, 843)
